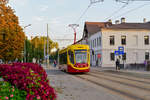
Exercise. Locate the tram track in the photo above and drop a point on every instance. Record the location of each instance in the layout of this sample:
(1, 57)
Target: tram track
(124, 82)
(128, 90)
(139, 75)
(137, 79)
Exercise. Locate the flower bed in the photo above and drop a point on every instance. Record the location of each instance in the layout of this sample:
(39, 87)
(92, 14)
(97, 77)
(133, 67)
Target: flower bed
(9, 92)
(29, 77)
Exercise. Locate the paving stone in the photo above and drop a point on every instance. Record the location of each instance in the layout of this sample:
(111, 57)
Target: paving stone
(69, 87)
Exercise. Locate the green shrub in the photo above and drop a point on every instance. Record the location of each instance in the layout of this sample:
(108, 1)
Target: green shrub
(9, 92)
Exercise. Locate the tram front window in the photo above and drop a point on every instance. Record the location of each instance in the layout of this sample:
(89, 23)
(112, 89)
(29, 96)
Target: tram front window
(81, 56)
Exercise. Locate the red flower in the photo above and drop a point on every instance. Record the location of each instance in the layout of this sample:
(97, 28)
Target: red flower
(29, 77)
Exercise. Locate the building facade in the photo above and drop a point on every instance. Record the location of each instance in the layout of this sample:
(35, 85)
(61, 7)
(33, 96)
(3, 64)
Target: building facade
(133, 37)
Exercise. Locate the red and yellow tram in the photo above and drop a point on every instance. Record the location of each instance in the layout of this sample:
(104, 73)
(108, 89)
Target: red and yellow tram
(75, 58)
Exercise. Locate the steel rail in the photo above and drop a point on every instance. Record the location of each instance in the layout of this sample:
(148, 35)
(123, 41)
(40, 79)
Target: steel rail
(127, 84)
(123, 93)
(114, 75)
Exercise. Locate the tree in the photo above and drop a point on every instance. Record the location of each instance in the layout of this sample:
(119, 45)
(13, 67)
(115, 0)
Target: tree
(37, 45)
(54, 55)
(11, 34)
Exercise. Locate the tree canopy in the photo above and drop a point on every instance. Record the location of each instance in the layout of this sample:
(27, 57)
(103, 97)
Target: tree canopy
(11, 34)
(35, 48)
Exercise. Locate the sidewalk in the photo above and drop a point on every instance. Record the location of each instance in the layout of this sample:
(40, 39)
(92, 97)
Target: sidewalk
(45, 66)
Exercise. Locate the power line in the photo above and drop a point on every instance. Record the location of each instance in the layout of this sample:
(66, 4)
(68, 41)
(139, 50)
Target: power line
(124, 1)
(132, 10)
(83, 13)
(63, 39)
(91, 3)
(115, 12)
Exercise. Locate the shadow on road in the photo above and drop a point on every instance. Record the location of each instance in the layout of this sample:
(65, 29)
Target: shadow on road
(59, 72)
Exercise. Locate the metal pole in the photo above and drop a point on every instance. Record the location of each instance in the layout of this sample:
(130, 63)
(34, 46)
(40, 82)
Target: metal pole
(25, 42)
(74, 26)
(25, 50)
(44, 50)
(47, 59)
(74, 35)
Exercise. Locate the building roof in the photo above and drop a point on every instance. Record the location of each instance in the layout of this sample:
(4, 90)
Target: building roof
(130, 26)
(93, 27)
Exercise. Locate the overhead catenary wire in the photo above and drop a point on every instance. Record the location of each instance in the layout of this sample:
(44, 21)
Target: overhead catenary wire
(123, 1)
(129, 11)
(115, 12)
(91, 3)
(57, 38)
(83, 13)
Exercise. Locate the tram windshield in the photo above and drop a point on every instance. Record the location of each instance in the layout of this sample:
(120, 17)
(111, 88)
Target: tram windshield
(81, 56)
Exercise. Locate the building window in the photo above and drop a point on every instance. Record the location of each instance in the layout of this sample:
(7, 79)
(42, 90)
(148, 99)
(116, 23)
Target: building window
(124, 56)
(100, 41)
(123, 40)
(112, 56)
(112, 40)
(146, 55)
(93, 57)
(146, 40)
(95, 42)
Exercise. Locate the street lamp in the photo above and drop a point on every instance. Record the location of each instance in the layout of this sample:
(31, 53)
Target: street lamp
(25, 42)
(74, 26)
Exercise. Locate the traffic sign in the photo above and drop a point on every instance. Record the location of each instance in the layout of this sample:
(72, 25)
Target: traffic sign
(121, 52)
(117, 53)
(121, 48)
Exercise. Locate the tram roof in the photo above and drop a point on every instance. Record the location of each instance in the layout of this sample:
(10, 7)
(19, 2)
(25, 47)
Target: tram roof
(74, 46)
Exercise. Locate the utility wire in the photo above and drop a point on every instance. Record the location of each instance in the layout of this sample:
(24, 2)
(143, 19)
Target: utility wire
(83, 13)
(53, 37)
(91, 3)
(123, 1)
(141, 6)
(115, 12)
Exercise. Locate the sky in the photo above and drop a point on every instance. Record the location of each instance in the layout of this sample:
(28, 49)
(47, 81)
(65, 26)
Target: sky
(58, 14)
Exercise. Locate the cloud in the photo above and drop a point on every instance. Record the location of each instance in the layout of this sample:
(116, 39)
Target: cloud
(43, 8)
(39, 18)
(55, 21)
(18, 2)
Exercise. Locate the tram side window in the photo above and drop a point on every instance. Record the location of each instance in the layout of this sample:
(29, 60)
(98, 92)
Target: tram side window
(71, 57)
(63, 58)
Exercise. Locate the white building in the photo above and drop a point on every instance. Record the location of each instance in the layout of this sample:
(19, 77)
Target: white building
(104, 38)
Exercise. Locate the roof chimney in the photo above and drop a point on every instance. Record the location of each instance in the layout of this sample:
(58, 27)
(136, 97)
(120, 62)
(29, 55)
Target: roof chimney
(117, 22)
(122, 20)
(144, 20)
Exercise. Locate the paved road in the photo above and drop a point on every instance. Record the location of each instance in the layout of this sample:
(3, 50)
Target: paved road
(70, 87)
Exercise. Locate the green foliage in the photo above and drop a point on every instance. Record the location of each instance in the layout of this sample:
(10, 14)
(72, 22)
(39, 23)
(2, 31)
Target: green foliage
(11, 92)
(35, 48)
(54, 55)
